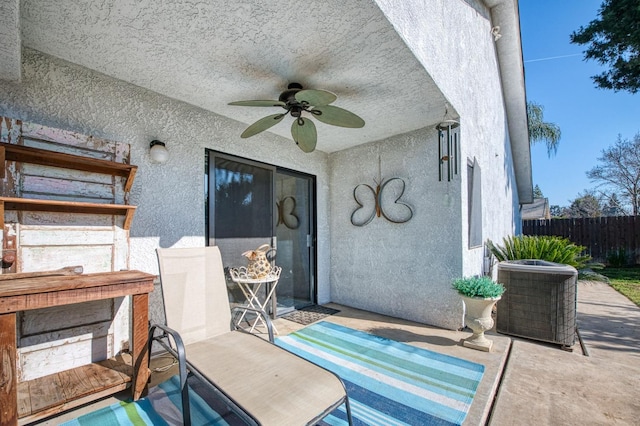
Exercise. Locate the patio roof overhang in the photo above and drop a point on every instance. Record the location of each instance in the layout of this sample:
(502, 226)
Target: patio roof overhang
(211, 53)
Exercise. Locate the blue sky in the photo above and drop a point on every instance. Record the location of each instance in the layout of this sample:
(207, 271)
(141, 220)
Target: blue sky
(558, 78)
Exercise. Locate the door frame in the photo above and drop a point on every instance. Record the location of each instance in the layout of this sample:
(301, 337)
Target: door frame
(313, 225)
(210, 154)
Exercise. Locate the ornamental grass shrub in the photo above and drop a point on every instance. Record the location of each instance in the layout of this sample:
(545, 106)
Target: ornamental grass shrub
(541, 247)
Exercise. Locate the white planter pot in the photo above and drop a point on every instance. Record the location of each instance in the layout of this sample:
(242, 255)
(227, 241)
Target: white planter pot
(477, 317)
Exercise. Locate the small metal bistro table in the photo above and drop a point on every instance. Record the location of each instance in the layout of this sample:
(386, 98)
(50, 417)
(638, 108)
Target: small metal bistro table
(250, 287)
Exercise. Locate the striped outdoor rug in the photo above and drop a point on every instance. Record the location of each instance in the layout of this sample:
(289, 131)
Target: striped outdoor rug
(139, 413)
(163, 407)
(389, 383)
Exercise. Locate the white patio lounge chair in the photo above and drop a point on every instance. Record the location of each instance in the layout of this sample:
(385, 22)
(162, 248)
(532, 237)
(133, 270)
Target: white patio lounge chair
(261, 382)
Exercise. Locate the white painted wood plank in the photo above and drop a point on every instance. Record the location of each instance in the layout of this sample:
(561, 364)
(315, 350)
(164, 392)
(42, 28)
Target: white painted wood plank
(69, 174)
(64, 236)
(10, 130)
(91, 258)
(71, 143)
(68, 188)
(38, 342)
(122, 151)
(64, 357)
(121, 324)
(120, 249)
(66, 219)
(65, 317)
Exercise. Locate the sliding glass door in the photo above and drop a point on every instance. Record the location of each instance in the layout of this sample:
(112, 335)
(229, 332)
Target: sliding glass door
(250, 204)
(295, 240)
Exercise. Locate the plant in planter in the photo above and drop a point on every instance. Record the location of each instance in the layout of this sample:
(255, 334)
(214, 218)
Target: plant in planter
(479, 294)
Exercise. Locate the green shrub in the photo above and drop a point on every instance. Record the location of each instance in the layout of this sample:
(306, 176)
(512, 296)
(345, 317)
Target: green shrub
(541, 247)
(617, 258)
(478, 287)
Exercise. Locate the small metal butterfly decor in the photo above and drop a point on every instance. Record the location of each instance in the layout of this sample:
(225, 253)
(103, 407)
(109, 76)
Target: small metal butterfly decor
(287, 213)
(383, 200)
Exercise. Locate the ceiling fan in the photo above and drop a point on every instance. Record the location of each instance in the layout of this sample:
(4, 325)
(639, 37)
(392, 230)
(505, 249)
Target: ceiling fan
(296, 101)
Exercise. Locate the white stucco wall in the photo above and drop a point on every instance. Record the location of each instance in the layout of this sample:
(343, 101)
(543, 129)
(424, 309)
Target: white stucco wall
(397, 269)
(10, 39)
(474, 89)
(384, 260)
(465, 68)
(170, 197)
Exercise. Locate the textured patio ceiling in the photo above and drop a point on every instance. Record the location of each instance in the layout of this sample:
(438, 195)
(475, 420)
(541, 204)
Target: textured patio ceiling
(208, 53)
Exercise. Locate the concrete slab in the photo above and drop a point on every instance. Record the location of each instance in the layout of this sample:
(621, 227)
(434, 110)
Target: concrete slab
(609, 323)
(543, 385)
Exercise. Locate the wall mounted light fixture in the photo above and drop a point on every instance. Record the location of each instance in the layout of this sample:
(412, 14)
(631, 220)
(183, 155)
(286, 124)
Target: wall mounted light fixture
(158, 151)
(448, 146)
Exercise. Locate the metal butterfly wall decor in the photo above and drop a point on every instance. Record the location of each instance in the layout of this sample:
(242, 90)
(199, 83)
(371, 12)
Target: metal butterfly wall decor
(374, 202)
(287, 213)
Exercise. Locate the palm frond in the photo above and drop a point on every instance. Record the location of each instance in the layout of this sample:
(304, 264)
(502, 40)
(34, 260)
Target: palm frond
(541, 247)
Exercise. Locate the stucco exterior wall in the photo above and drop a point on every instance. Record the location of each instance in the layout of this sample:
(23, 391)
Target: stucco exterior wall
(10, 39)
(400, 270)
(406, 270)
(170, 196)
(465, 68)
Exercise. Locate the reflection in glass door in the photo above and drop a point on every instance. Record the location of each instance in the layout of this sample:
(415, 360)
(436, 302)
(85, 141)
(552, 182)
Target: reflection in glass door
(241, 210)
(250, 204)
(295, 242)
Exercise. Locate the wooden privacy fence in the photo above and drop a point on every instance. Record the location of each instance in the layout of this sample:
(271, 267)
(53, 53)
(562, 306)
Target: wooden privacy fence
(602, 236)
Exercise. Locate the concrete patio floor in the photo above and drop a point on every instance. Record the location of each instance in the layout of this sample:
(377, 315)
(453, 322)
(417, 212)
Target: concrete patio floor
(526, 382)
(546, 386)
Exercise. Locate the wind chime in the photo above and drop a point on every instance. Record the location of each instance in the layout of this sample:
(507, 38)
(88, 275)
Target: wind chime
(448, 146)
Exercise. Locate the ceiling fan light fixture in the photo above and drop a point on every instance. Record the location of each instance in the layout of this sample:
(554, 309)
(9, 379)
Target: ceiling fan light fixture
(296, 100)
(296, 111)
(289, 95)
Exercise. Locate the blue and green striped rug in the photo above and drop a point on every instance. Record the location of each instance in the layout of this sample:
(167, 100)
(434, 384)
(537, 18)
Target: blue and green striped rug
(162, 407)
(388, 382)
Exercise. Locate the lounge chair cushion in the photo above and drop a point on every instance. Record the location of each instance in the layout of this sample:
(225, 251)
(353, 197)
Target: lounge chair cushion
(279, 387)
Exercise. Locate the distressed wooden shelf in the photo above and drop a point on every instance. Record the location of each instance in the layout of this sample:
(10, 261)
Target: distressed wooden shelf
(55, 206)
(26, 154)
(52, 394)
(44, 396)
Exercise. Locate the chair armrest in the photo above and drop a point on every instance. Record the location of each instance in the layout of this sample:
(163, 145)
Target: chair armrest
(180, 354)
(235, 315)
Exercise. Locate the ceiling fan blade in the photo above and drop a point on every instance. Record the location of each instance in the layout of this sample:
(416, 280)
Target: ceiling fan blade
(304, 134)
(335, 116)
(262, 125)
(258, 103)
(315, 97)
